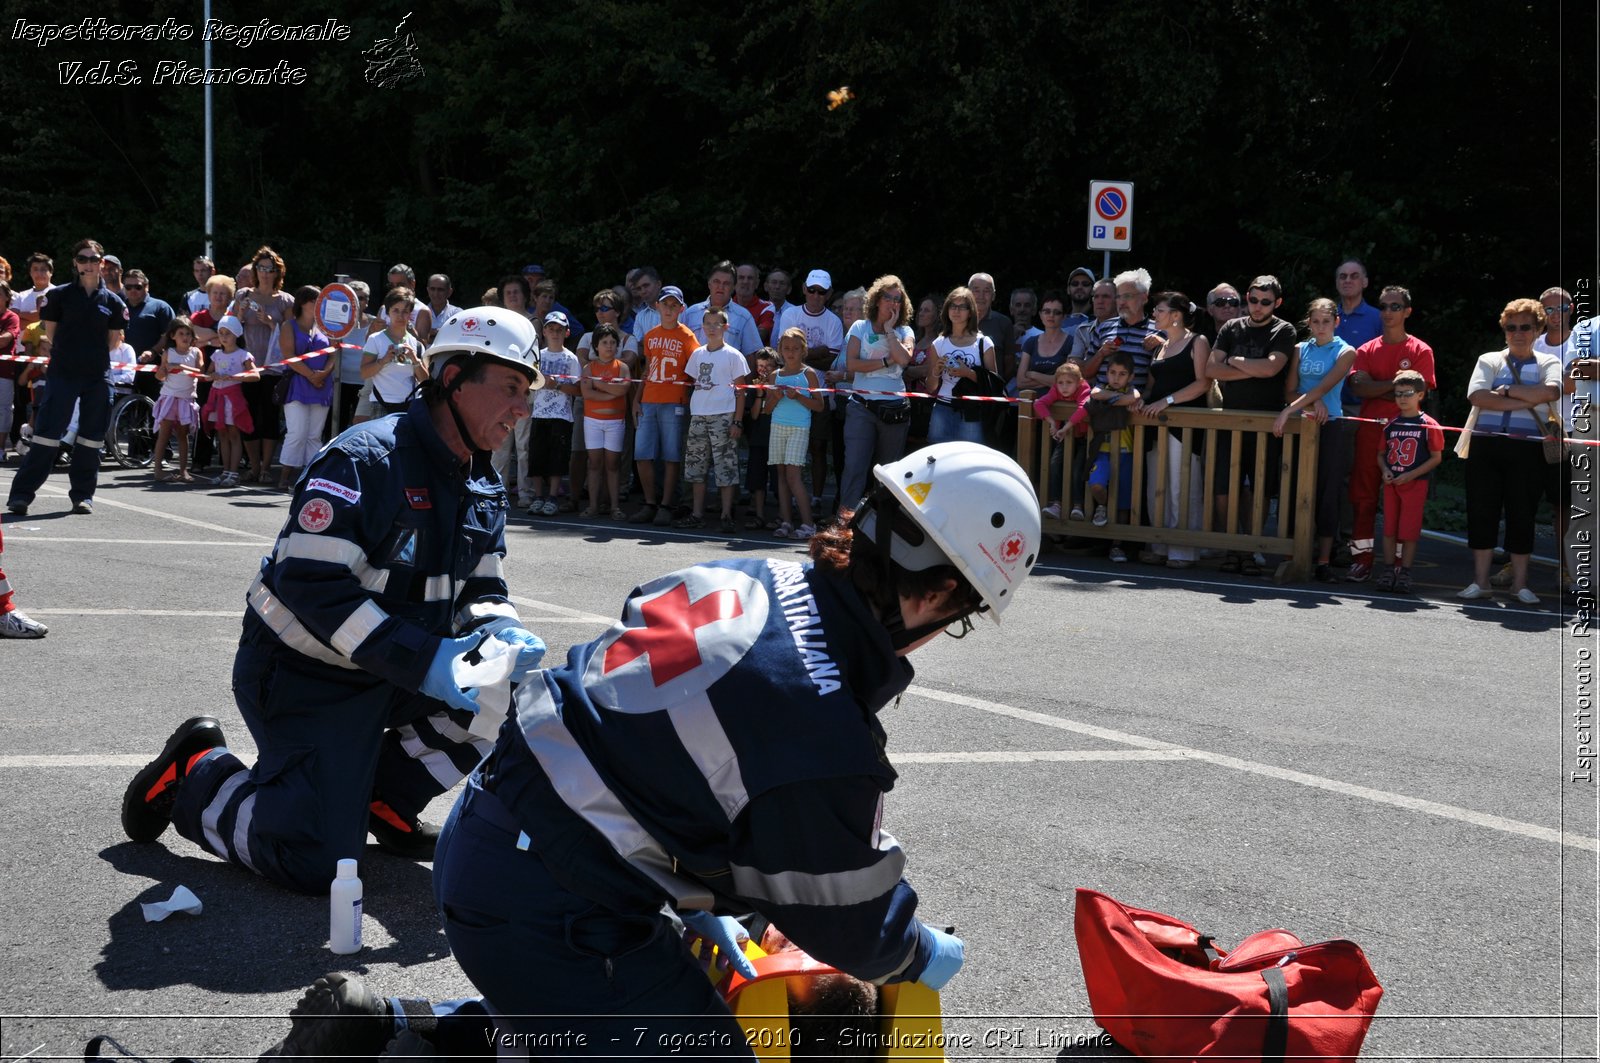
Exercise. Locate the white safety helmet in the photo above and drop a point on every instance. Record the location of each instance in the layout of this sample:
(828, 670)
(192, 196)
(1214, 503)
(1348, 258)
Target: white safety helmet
(977, 510)
(493, 332)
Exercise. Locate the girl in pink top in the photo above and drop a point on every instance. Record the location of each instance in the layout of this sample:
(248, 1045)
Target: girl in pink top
(1069, 386)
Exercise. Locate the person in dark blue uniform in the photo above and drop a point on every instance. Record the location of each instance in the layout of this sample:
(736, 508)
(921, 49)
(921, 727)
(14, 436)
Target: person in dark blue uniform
(718, 750)
(388, 571)
(84, 323)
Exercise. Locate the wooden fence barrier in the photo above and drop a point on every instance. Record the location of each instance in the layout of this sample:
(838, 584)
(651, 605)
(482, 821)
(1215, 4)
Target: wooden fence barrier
(1293, 533)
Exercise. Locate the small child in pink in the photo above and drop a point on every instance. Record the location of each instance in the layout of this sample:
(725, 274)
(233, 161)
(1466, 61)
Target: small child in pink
(176, 408)
(1068, 386)
(226, 410)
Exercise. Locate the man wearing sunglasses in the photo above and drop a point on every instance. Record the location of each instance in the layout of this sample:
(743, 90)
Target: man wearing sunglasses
(1249, 359)
(1223, 304)
(148, 321)
(1372, 380)
(83, 323)
(1080, 286)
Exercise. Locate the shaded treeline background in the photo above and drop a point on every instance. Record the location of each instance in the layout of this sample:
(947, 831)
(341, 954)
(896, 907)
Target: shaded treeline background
(1450, 145)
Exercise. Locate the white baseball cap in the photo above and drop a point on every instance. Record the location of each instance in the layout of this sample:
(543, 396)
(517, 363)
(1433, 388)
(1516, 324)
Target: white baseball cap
(818, 278)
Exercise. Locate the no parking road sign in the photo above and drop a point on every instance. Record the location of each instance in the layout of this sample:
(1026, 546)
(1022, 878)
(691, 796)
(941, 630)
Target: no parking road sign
(1110, 215)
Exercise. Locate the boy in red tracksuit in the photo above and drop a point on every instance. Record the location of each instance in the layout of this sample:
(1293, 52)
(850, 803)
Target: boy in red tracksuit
(1413, 445)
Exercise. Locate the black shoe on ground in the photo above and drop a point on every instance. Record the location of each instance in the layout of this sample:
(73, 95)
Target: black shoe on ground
(411, 838)
(18, 508)
(147, 804)
(1325, 574)
(338, 1016)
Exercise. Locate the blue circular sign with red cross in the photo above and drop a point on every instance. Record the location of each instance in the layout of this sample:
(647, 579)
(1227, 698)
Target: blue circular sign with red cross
(1111, 204)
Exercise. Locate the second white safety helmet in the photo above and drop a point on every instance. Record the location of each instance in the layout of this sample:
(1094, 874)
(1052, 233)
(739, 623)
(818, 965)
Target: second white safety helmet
(977, 512)
(493, 332)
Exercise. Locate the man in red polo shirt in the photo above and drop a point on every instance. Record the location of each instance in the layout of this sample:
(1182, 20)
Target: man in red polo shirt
(1372, 379)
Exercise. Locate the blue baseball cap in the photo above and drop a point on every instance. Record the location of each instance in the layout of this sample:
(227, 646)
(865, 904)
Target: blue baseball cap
(672, 291)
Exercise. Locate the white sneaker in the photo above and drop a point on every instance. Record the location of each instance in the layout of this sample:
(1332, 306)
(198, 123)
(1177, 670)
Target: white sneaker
(1527, 597)
(1100, 518)
(805, 531)
(18, 625)
(1053, 511)
(1471, 592)
(550, 507)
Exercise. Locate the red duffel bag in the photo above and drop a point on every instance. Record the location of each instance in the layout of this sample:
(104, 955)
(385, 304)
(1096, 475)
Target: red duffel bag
(1160, 988)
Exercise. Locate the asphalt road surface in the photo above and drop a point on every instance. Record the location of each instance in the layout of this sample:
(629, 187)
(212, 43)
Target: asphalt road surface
(1328, 760)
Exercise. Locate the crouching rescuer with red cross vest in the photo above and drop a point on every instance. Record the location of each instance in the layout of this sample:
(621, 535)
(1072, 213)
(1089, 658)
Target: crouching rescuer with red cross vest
(718, 752)
(389, 569)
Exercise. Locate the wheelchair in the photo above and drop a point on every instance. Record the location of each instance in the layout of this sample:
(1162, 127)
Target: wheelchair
(131, 431)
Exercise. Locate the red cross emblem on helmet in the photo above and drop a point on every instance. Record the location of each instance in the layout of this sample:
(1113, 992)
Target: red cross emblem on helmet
(1011, 549)
(470, 325)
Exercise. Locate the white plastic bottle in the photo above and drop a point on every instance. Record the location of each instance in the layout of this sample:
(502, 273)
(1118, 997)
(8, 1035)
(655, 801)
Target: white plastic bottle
(344, 910)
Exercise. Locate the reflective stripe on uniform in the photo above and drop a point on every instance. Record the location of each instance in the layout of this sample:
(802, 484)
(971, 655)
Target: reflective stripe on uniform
(336, 551)
(44, 441)
(241, 832)
(92, 444)
(836, 888)
(437, 761)
(583, 791)
(212, 816)
(287, 627)
(478, 610)
(708, 746)
(5, 586)
(357, 628)
(490, 565)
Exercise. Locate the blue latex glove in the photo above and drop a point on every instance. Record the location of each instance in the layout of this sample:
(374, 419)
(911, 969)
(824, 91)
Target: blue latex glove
(440, 683)
(723, 931)
(529, 647)
(948, 952)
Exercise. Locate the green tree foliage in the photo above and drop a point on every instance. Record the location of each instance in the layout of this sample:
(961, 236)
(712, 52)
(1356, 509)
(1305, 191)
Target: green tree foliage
(1452, 147)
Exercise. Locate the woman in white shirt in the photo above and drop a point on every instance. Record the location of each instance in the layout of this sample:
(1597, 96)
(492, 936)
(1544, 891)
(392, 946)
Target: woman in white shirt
(957, 353)
(392, 359)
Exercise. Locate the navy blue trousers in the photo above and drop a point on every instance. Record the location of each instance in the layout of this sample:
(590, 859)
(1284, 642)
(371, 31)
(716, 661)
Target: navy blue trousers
(93, 396)
(563, 975)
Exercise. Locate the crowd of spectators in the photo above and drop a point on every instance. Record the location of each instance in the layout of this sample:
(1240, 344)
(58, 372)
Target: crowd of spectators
(660, 390)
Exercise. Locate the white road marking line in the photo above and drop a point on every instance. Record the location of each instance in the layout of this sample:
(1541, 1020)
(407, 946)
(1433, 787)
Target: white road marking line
(1366, 793)
(53, 539)
(1036, 756)
(561, 611)
(103, 501)
(139, 760)
(63, 611)
(97, 760)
